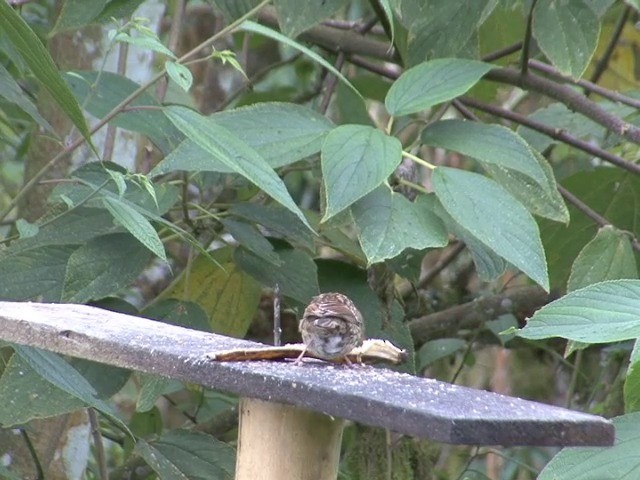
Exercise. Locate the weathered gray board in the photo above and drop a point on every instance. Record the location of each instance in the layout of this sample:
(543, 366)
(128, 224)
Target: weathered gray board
(406, 404)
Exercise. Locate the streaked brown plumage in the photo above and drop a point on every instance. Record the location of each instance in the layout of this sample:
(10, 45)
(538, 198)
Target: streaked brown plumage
(331, 327)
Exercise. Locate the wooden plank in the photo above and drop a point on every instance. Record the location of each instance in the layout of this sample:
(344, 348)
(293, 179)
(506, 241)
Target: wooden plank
(406, 404)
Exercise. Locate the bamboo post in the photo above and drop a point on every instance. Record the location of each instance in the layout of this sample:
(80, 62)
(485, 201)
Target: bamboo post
(278, 441)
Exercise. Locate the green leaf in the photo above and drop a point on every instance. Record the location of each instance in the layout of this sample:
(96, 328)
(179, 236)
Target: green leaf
(617, 462)
(146, 41)
(491, 144)
(25, 395)
(227, 294)
(275, 219)
(542, 200)
(42, 65)
(11, 91)
(181, 313)
(440, 28)
(77, 14)
(567, 33)
(435, 350)
(433, 82)
(600, 313)
(610, 192)
(250, 26)
(100, 92)
(295, 17)
(137, 225)
(60, 373)
(151, 387)
(355, 160)
(388, 223)
(26, 229)
(297, 277)
(608, 256)
(102, 267)
(632, 381)
(494, 217)
(179, 74)
(489, 266)
(36, 274)
(188, 455)
(282, 133)
(251, 239)
(233, 152)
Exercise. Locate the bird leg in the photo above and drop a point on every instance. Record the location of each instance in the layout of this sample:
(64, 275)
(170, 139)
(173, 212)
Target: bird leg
(298, 361)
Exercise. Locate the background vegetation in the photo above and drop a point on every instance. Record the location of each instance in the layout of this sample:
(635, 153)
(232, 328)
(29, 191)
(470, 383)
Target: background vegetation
(452, 166)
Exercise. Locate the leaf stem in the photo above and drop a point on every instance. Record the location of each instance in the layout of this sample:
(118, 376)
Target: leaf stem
(418, 160)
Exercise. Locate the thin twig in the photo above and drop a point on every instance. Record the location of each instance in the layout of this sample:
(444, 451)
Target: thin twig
(330, 83)
(586, 84)
(172, 44)
(583, 207)
(110, 138)
(503, 52)
(569, 97)
(603, 63)
(524, 59)
(101, 458)
(277, 324)
(445, 260)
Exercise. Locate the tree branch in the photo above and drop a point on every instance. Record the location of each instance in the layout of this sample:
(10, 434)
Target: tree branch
(521, 302)
(336, 40)
(554, 133)
(572, 99)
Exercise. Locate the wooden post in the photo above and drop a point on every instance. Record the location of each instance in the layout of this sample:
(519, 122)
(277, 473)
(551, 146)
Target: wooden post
(279, 441)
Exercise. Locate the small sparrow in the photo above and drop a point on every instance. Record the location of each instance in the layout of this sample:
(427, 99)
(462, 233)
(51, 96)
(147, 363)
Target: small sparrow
(331, 327)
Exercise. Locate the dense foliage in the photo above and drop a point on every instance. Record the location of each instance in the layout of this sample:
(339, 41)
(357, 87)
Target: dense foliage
(184, 163)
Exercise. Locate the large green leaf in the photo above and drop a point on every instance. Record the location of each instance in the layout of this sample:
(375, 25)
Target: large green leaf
(494, 217)
(355, 160)
(36, 274)
(136, 224)
(543, 200)
(616, 463)
(433, 82)
(612, 193)
(25, 395)
(608, 256)
(567, 32)
(297, 277)
(440, 28)
(600, 313)
(632, 381)
(77, 14)
(103, 266)
(11, 91)
(230, 150)
(42, 65)
(489, 265)
(282, 133)
(295, 17)
(388, 223)
(188, 455)
(101, 92)
(228, 295)
(276, 219)
(490, 144)
(250, 238)
(60, 373)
